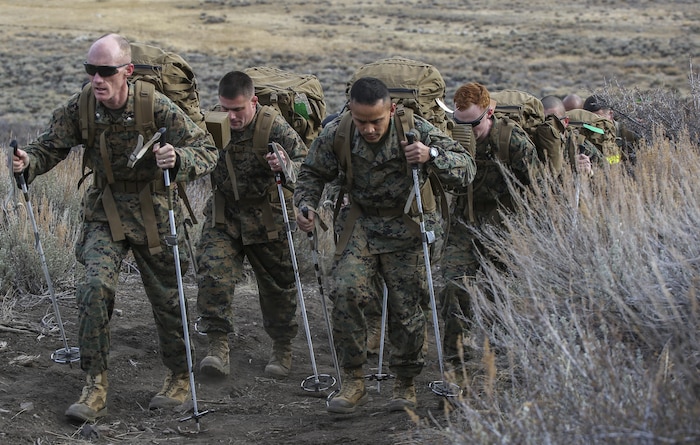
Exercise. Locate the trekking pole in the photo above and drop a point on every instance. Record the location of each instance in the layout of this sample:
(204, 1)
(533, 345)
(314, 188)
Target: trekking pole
(172, 241)
(67, 354)
(379, 376)
(439, 387)
(314, 254)
(317, 382)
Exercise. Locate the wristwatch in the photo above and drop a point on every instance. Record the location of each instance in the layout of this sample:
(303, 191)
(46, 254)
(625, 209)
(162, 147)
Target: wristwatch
(433, 153)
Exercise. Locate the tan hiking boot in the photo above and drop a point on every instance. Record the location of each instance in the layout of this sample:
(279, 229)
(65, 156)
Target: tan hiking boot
(404, 395)
(280, 360)
(374, 334)
(176, 390)
(216, 363)
(93, 400)
(351, 395)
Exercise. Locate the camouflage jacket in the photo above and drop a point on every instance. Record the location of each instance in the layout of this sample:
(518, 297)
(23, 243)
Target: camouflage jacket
(195, 149)
(490, 188)
(382, 180)
(255, 183)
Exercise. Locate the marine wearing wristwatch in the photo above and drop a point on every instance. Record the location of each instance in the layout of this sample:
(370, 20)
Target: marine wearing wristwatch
(433, 154)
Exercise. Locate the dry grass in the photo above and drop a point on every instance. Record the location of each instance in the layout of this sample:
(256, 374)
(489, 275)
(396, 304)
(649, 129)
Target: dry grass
(56, 204)
(596, 321)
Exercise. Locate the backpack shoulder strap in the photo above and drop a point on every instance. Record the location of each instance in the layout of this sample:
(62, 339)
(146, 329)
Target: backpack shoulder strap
(504, 130)
(404, 121)
(263, 126)
(87, 114)
(144, 108)
(341, 146)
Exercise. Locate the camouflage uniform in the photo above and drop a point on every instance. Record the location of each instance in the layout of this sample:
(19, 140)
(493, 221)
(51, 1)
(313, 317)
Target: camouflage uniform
(461, 257)
(223, 246)
(97, 249)
(381, 241)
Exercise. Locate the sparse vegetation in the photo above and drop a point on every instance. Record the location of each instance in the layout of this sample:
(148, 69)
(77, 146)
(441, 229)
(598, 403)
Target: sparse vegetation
(595, 323)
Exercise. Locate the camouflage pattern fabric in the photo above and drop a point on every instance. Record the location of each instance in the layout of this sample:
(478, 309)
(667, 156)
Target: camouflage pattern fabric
(96, 296)
(102, 256)
(491, 195)
(380, 245)
(223, 248)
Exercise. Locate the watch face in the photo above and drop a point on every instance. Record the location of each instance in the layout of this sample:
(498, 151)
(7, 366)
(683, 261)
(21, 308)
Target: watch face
(433, 153)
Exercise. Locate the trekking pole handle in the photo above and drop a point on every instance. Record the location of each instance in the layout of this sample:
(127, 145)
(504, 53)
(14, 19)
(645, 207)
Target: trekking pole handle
(305, 212)
(278, 175)
(162, 140)
(19, 177)
(411, 138)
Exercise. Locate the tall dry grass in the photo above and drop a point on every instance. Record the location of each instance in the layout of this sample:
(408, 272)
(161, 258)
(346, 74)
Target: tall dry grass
(589, 330)
(55, 199)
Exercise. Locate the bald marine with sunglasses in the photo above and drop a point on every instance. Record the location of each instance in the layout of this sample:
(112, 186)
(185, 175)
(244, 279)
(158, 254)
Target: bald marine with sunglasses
(125, 208)
(478, 204)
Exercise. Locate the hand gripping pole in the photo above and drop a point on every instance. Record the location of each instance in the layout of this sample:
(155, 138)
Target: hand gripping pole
(172, 241)
(317, 382)
(67, 354)
(439, 387)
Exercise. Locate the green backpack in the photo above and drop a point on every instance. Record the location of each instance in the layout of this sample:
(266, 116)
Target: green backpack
(527, 111)
(597, 130)
(415, 85)
(297, 97)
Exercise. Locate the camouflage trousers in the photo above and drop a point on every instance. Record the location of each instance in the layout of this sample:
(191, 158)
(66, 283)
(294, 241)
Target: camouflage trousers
(220, 262)
(354, 285)
(95, 295)
(460, 264)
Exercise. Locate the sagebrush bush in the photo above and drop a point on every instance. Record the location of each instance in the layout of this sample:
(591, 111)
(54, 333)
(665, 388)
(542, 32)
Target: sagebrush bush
(55, 199)
(592, 311)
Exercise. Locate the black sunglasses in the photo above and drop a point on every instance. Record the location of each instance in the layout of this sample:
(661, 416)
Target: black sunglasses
(102, 70)
(473, 123)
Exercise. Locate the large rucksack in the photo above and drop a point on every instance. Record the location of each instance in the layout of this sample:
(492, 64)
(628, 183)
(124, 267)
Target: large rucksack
(171, 74)
(415, 85)
(297, 97)
(598, 130)
(527, 111)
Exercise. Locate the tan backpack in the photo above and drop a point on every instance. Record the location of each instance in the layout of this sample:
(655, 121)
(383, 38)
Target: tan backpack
(415, 85)
(527, 111)
(297, 97)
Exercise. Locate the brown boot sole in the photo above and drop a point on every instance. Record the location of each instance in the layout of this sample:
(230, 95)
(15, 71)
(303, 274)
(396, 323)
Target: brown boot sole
(82, 413)
(401, 405)
(213, 367)
(344, 407)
